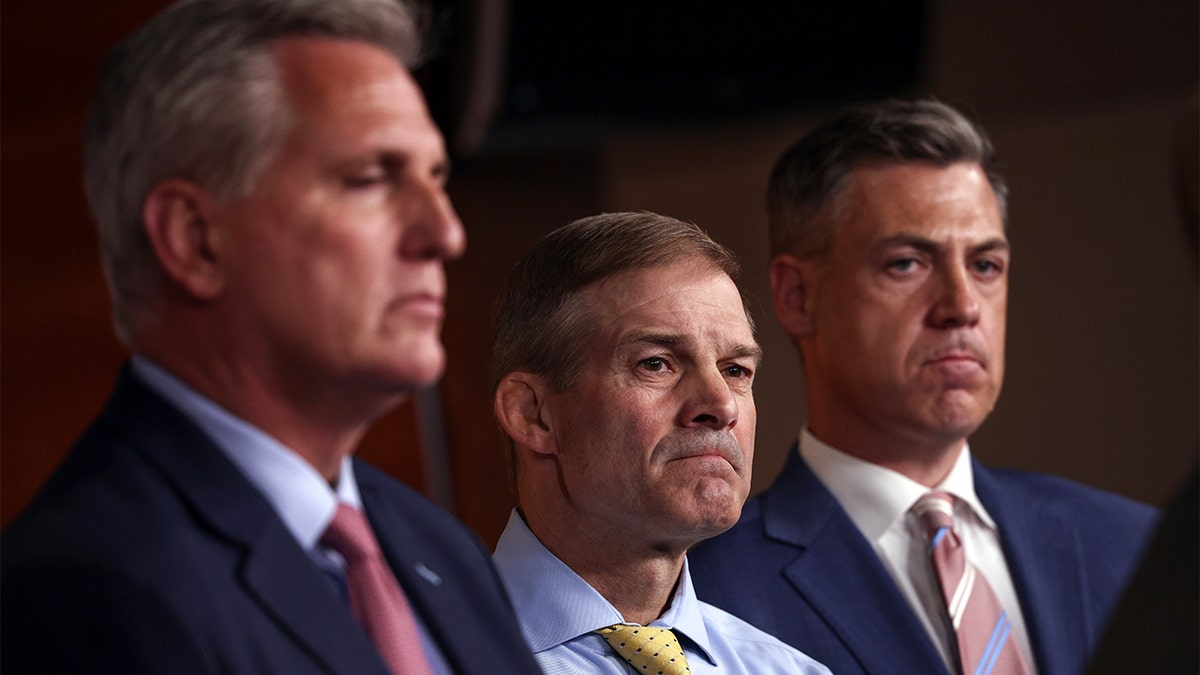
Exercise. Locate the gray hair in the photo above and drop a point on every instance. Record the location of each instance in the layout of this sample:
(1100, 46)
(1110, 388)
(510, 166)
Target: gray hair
(539, 325)
(194, 94)
(811, 174)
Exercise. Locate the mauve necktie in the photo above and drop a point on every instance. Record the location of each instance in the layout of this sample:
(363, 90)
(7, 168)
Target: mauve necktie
(375, 597)
(985, 641)
(649, 650)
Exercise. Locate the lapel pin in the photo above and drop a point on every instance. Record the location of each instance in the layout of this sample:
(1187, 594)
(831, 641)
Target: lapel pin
(428, 574)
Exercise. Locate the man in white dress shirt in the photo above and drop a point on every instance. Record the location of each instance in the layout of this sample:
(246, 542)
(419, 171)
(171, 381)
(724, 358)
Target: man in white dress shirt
(890, 273)
(623, 366)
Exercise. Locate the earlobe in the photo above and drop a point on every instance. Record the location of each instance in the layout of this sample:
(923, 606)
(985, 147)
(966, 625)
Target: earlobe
(793, 293)
(519, 405)
(177, 217)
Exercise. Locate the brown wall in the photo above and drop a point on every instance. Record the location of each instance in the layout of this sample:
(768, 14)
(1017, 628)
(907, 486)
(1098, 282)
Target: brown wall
(1081, 100)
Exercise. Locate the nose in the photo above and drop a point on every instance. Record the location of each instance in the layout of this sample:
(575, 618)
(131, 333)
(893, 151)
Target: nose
(710, 402)
(431, 228)
(957, 301)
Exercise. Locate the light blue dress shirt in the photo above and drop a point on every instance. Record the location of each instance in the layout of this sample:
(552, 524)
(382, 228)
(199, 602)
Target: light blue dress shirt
(559, 611)
(300, 495)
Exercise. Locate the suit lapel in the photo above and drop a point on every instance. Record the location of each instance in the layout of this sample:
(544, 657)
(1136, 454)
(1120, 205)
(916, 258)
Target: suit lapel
(1043, 555)
(291, 589)
(420, 576)
(276, 573)
(839, 575)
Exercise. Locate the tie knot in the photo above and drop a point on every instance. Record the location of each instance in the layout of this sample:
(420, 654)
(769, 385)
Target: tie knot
(350, 535)
(647, 648)
(935, 511)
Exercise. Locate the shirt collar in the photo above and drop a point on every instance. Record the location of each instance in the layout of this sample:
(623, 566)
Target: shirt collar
(685, 618)
(876, 497)
(300, 495)
(555, 605)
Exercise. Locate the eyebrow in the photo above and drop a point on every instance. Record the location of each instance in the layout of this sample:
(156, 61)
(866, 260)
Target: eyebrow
(930, 246)
(751, 351)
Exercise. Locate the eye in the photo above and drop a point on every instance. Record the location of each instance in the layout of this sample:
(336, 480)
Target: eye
(987, 267)
(902, 265)
(738, 371)
(364, 179)
(654, 364)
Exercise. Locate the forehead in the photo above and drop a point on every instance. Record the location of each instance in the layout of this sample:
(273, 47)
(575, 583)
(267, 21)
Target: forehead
(692, 299)
(919, 198)
(354, 89)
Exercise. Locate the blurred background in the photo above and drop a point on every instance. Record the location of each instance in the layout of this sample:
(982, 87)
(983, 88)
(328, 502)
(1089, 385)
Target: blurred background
(558, 110)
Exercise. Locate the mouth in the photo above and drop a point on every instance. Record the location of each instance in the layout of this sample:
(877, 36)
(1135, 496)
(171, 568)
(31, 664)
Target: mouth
(706, 451)
(967, 353)
(713, 459)
(706, 464)
(427, 305)
(951, 359)
(958, 370)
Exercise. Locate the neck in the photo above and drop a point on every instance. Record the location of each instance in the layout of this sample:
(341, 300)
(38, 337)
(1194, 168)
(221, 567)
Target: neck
(926, 461)
(312, 421)
(638, 578)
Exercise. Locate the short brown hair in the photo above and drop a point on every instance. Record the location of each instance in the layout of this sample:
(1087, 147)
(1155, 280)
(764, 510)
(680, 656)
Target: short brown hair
(538, 326)
(808, 177)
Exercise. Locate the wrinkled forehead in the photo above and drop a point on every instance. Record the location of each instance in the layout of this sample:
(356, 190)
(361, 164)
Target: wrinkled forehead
(692, 299)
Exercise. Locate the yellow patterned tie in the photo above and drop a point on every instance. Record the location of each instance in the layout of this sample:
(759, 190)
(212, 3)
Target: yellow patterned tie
(647, 649)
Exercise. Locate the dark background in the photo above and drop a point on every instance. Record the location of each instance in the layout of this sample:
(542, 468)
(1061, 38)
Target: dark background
(557, 110)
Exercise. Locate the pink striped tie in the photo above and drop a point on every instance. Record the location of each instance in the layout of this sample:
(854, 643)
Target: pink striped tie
(375, 598)
(985, 643)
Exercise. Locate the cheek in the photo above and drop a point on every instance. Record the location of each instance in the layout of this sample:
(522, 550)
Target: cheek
(876, 342)
(744, 432)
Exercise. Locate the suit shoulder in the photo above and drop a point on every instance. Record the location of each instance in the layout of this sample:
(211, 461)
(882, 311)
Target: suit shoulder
(1067, 497)
(413, 512)
(403, 498)
(103, 503)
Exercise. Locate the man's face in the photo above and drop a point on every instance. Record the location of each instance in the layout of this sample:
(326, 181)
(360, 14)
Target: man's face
(335, 258)
(658, 431)
(907, 339)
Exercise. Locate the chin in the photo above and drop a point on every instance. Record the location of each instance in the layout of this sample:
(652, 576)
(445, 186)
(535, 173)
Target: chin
(716, 524)
(419, 366)
(960, 410)
(718, 509)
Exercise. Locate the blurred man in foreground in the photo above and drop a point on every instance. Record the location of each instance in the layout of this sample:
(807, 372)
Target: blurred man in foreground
(268, 187)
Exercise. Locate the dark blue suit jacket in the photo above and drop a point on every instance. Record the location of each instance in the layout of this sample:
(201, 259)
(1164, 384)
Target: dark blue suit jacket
(149, 552)
(796, 566)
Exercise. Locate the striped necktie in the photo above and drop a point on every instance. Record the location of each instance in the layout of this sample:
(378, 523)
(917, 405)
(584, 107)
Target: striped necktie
(375, 597)
(985, 642)
(648, 649)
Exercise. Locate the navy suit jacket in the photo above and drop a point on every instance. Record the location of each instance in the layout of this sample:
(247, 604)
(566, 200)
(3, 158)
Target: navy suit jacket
(796, 566)
(149, 552)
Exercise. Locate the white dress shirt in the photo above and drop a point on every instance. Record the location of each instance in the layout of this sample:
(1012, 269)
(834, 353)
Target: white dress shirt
(878, 500)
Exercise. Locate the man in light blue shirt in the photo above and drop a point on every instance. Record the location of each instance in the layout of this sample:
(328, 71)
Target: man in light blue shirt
(623, 367)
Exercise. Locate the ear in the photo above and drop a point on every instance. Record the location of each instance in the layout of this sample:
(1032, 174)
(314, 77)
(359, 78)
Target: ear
(519, 405)
(793, 292)
(178, 217)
